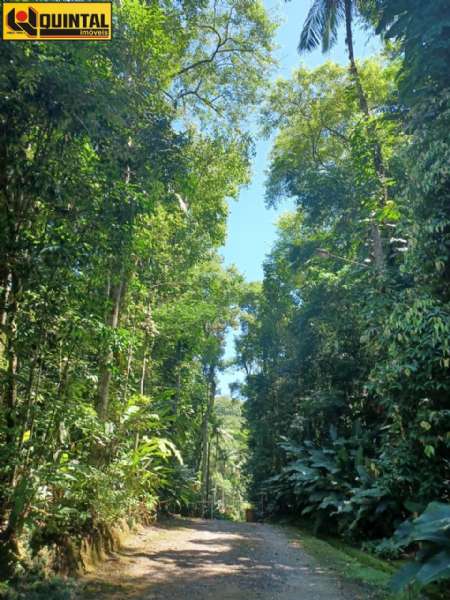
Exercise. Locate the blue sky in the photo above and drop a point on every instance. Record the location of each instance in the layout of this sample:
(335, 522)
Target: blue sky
(251, 226)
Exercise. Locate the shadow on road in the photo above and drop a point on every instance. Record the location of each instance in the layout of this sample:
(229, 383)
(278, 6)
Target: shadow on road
(182, 559)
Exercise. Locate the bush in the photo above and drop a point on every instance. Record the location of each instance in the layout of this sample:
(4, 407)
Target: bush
(386, 548)
(431, 531)
(337, 485)
(55, 588)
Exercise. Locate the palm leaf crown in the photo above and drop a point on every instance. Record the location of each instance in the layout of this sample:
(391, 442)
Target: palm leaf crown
(321, 25)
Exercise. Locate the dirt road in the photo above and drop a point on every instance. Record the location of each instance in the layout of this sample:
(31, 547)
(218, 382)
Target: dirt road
(215, 560)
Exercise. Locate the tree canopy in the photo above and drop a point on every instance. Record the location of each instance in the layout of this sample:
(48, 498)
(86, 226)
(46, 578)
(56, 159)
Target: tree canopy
(347, 387)
(117, 163)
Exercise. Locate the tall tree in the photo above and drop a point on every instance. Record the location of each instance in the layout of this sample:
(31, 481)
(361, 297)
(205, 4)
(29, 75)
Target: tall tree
(322, 26)
(116, 162)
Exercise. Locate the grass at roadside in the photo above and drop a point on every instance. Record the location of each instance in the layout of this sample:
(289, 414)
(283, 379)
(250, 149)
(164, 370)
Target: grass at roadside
(358, 566)
(350, 563)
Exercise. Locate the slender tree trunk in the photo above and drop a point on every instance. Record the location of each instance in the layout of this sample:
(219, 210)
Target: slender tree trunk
(116, 289)
(377, 154)
(8, 537)
(9, 392)
(4, 299)
(205, 435)
(143, 376)
(208, 477)
(177, 395)
(148, 343)
(10, 395)
(363, 104)
(116, 297)
(130, 358)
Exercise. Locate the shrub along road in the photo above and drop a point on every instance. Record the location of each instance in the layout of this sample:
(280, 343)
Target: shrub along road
(220, 560)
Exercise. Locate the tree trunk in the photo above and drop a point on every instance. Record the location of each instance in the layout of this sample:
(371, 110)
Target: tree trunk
(177, 395)
(377, 154)
(205, 435)
(147, 345)
(143, 376)
(8, 541)
(115, 296)
(363, 105)
(9, 392)
(126, 379)
(3, 310)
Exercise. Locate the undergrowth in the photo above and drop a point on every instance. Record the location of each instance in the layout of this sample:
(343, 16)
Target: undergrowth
(356, 565)
(37, 588)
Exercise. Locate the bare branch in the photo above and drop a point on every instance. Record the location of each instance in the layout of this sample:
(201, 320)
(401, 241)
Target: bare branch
(220, 47)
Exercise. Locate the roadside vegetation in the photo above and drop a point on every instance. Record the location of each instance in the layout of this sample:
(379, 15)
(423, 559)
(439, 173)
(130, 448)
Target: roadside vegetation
(117, 163)
(346, 343)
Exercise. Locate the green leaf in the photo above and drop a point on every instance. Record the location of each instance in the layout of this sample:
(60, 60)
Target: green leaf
(435, 568)
(404, 577)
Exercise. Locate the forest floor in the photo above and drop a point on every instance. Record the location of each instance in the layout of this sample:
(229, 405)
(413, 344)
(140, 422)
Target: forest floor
(184, 559)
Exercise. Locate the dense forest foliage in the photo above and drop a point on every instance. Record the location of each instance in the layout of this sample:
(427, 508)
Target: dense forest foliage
(116, 161)
(346, 345)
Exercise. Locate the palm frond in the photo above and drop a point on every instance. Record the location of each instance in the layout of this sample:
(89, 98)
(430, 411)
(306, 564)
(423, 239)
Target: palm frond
(311, 34)
(321, 25)
(333, 16)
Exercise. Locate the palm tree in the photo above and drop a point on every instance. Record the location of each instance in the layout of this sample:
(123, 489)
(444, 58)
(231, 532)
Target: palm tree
(321, 28)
